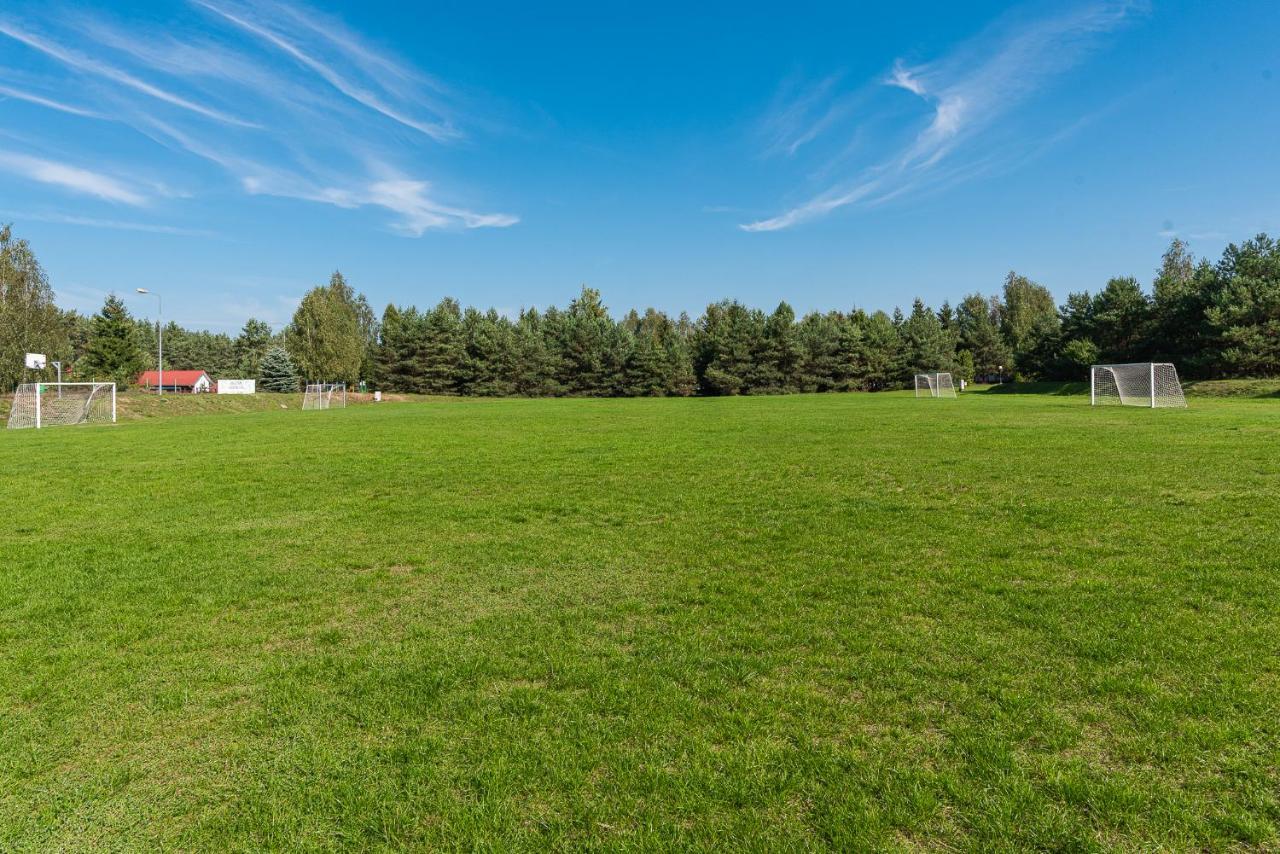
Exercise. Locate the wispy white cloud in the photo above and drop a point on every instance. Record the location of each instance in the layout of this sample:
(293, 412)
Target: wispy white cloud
(968, 92)
(355, 92)
(115, 225)
(88, 65)
(814, 208)
(390, 74)
(902, 77)
(321, 115)
(32, 98)
(69, 177)
(798, 114)
(410, 199)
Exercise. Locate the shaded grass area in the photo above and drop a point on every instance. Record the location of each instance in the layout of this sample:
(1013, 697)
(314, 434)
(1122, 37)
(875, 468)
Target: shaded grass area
(1047, 387)
(844, 621)
(1234, 388)
(1260, 388)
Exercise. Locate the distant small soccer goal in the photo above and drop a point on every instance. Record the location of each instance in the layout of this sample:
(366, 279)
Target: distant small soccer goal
(935, 385)
(60, 404)
(325, 396)
(1149, 384)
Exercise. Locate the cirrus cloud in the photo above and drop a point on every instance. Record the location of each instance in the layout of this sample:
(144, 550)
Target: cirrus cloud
(967, 92)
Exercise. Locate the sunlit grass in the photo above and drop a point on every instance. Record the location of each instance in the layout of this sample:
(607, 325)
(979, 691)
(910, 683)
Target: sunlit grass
(842, 621)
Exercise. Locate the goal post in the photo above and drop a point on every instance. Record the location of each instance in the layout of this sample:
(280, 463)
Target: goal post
(324, 396)
(40, 405)
(937, 384)
(1153, 385)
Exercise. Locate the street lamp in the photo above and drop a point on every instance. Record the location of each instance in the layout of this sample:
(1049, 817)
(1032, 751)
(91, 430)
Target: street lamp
(160, 332)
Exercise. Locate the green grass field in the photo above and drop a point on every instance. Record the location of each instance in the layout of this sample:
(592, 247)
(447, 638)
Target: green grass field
(844, 621)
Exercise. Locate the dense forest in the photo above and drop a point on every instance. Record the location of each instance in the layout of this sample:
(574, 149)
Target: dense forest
(1211, 319)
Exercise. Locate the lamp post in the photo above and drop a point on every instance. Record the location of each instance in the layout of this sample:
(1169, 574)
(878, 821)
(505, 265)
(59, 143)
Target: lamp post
(160, 331)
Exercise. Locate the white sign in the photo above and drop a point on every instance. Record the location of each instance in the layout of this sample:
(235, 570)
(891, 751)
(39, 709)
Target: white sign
(237, 386)
(36, 361)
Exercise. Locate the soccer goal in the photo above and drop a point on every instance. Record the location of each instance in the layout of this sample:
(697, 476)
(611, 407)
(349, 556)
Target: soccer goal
(325, 396)
(57, 404)
(1150, 384)
(935, 385)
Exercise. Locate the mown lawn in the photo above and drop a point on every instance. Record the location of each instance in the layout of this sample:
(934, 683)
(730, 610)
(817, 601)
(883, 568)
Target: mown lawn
(845, 621)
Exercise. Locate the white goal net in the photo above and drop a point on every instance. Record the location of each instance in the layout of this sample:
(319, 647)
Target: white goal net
(935, 385)
(325, 396)
(1150, 384)
(58, 404)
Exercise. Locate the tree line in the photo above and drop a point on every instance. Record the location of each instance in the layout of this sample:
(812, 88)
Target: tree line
(1212, 319)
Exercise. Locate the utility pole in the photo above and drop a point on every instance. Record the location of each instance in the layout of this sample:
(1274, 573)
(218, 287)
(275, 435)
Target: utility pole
(160, 330)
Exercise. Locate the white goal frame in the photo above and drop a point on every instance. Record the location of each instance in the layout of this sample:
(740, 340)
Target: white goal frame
(937, 384)
(60, 404)
(325, 396)
(1153, 385)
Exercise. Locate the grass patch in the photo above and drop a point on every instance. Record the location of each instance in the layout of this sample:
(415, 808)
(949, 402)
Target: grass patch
(842, 621)
(1234, 388)
(1262, 388)
(1048, 387)
(136, 405)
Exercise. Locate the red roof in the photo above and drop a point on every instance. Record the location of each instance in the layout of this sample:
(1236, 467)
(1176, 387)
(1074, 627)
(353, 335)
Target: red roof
(186, 379)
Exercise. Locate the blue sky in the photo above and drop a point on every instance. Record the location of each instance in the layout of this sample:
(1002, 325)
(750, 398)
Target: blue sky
(231, 154)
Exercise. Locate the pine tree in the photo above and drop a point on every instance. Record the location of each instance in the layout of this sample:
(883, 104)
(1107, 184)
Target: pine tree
(584, 337)
(978, 332)
(1121, 317)
(881, 356)
(926, 345)
(850, 372)
(946, 315)
(487, 368)
(442, 352)
(531, 369)
(659, 361)
(728, 338)
(393, 356)
(113, 352)
(1243, 314)
(554, 325)
(619, 353)
(277, 371)
(682, 379)
(819, 340)
(251, 346)
(777, 361)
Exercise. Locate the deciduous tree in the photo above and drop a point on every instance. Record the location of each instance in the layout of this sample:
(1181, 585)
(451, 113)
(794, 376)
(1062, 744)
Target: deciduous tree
(326, 337)
(30, 322)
